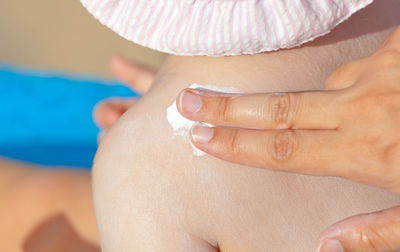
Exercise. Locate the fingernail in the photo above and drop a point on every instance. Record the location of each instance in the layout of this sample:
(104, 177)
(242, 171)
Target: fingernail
(190, 102)
(202, 134)
(331, 246)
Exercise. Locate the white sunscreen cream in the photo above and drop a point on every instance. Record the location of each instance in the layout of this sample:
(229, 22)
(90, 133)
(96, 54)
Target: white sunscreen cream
(181, 125)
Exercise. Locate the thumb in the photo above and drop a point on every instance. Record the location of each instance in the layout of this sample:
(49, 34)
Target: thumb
(372, 232)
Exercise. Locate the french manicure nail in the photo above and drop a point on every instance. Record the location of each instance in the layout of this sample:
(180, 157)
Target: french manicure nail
(190, 102)
(331, 246)
(202, 133)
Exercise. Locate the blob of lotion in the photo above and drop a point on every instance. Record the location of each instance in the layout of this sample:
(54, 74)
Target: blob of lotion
(180, 125)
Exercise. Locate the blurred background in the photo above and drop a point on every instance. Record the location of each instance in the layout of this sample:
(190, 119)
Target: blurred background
(54, 67)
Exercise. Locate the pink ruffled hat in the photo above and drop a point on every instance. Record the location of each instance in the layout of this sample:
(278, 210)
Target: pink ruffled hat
(222, 27)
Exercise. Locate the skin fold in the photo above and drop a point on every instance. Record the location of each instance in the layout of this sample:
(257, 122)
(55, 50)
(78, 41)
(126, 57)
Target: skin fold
(151, 194)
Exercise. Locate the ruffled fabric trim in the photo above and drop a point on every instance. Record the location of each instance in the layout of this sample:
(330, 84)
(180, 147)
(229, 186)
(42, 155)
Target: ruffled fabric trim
(222, 27)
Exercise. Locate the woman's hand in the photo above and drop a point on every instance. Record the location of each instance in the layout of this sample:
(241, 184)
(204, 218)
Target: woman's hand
(349, 130)
(107, 112)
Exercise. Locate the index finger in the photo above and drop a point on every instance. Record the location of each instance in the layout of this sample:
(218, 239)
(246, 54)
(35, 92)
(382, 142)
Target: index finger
(302, 151)
(301, 110)
(393, 41)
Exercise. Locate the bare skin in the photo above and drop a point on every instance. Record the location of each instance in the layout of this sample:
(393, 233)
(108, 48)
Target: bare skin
(151, 194)
(38, 205)
(362, 95)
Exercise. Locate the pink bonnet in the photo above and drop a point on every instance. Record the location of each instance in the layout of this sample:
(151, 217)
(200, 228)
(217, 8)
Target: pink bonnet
(222, 27)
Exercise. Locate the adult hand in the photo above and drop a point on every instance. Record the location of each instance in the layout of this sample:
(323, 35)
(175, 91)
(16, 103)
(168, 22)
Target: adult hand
(135, 76)
(348, 130)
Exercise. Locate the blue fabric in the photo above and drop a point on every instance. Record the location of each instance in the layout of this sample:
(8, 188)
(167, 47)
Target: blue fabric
(46, 119)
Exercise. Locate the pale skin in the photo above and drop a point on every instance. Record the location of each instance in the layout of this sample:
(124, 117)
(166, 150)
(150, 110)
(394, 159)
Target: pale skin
(138, 77)
(359, 107)
(152, 195)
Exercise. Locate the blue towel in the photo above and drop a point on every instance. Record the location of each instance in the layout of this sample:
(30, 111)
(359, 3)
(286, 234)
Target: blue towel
(46, 118)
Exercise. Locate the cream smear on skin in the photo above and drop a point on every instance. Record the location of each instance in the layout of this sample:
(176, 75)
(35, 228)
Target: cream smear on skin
(181, 125)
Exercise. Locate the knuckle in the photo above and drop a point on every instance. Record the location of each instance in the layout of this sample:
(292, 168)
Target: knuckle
(232, 140)
(388, 156)
(369, 238)
(342, 74)
(369, 101)
(284, 145)
(335, 76)
(330, 82)
(225, 111)
(388, 58)
(282, 109)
